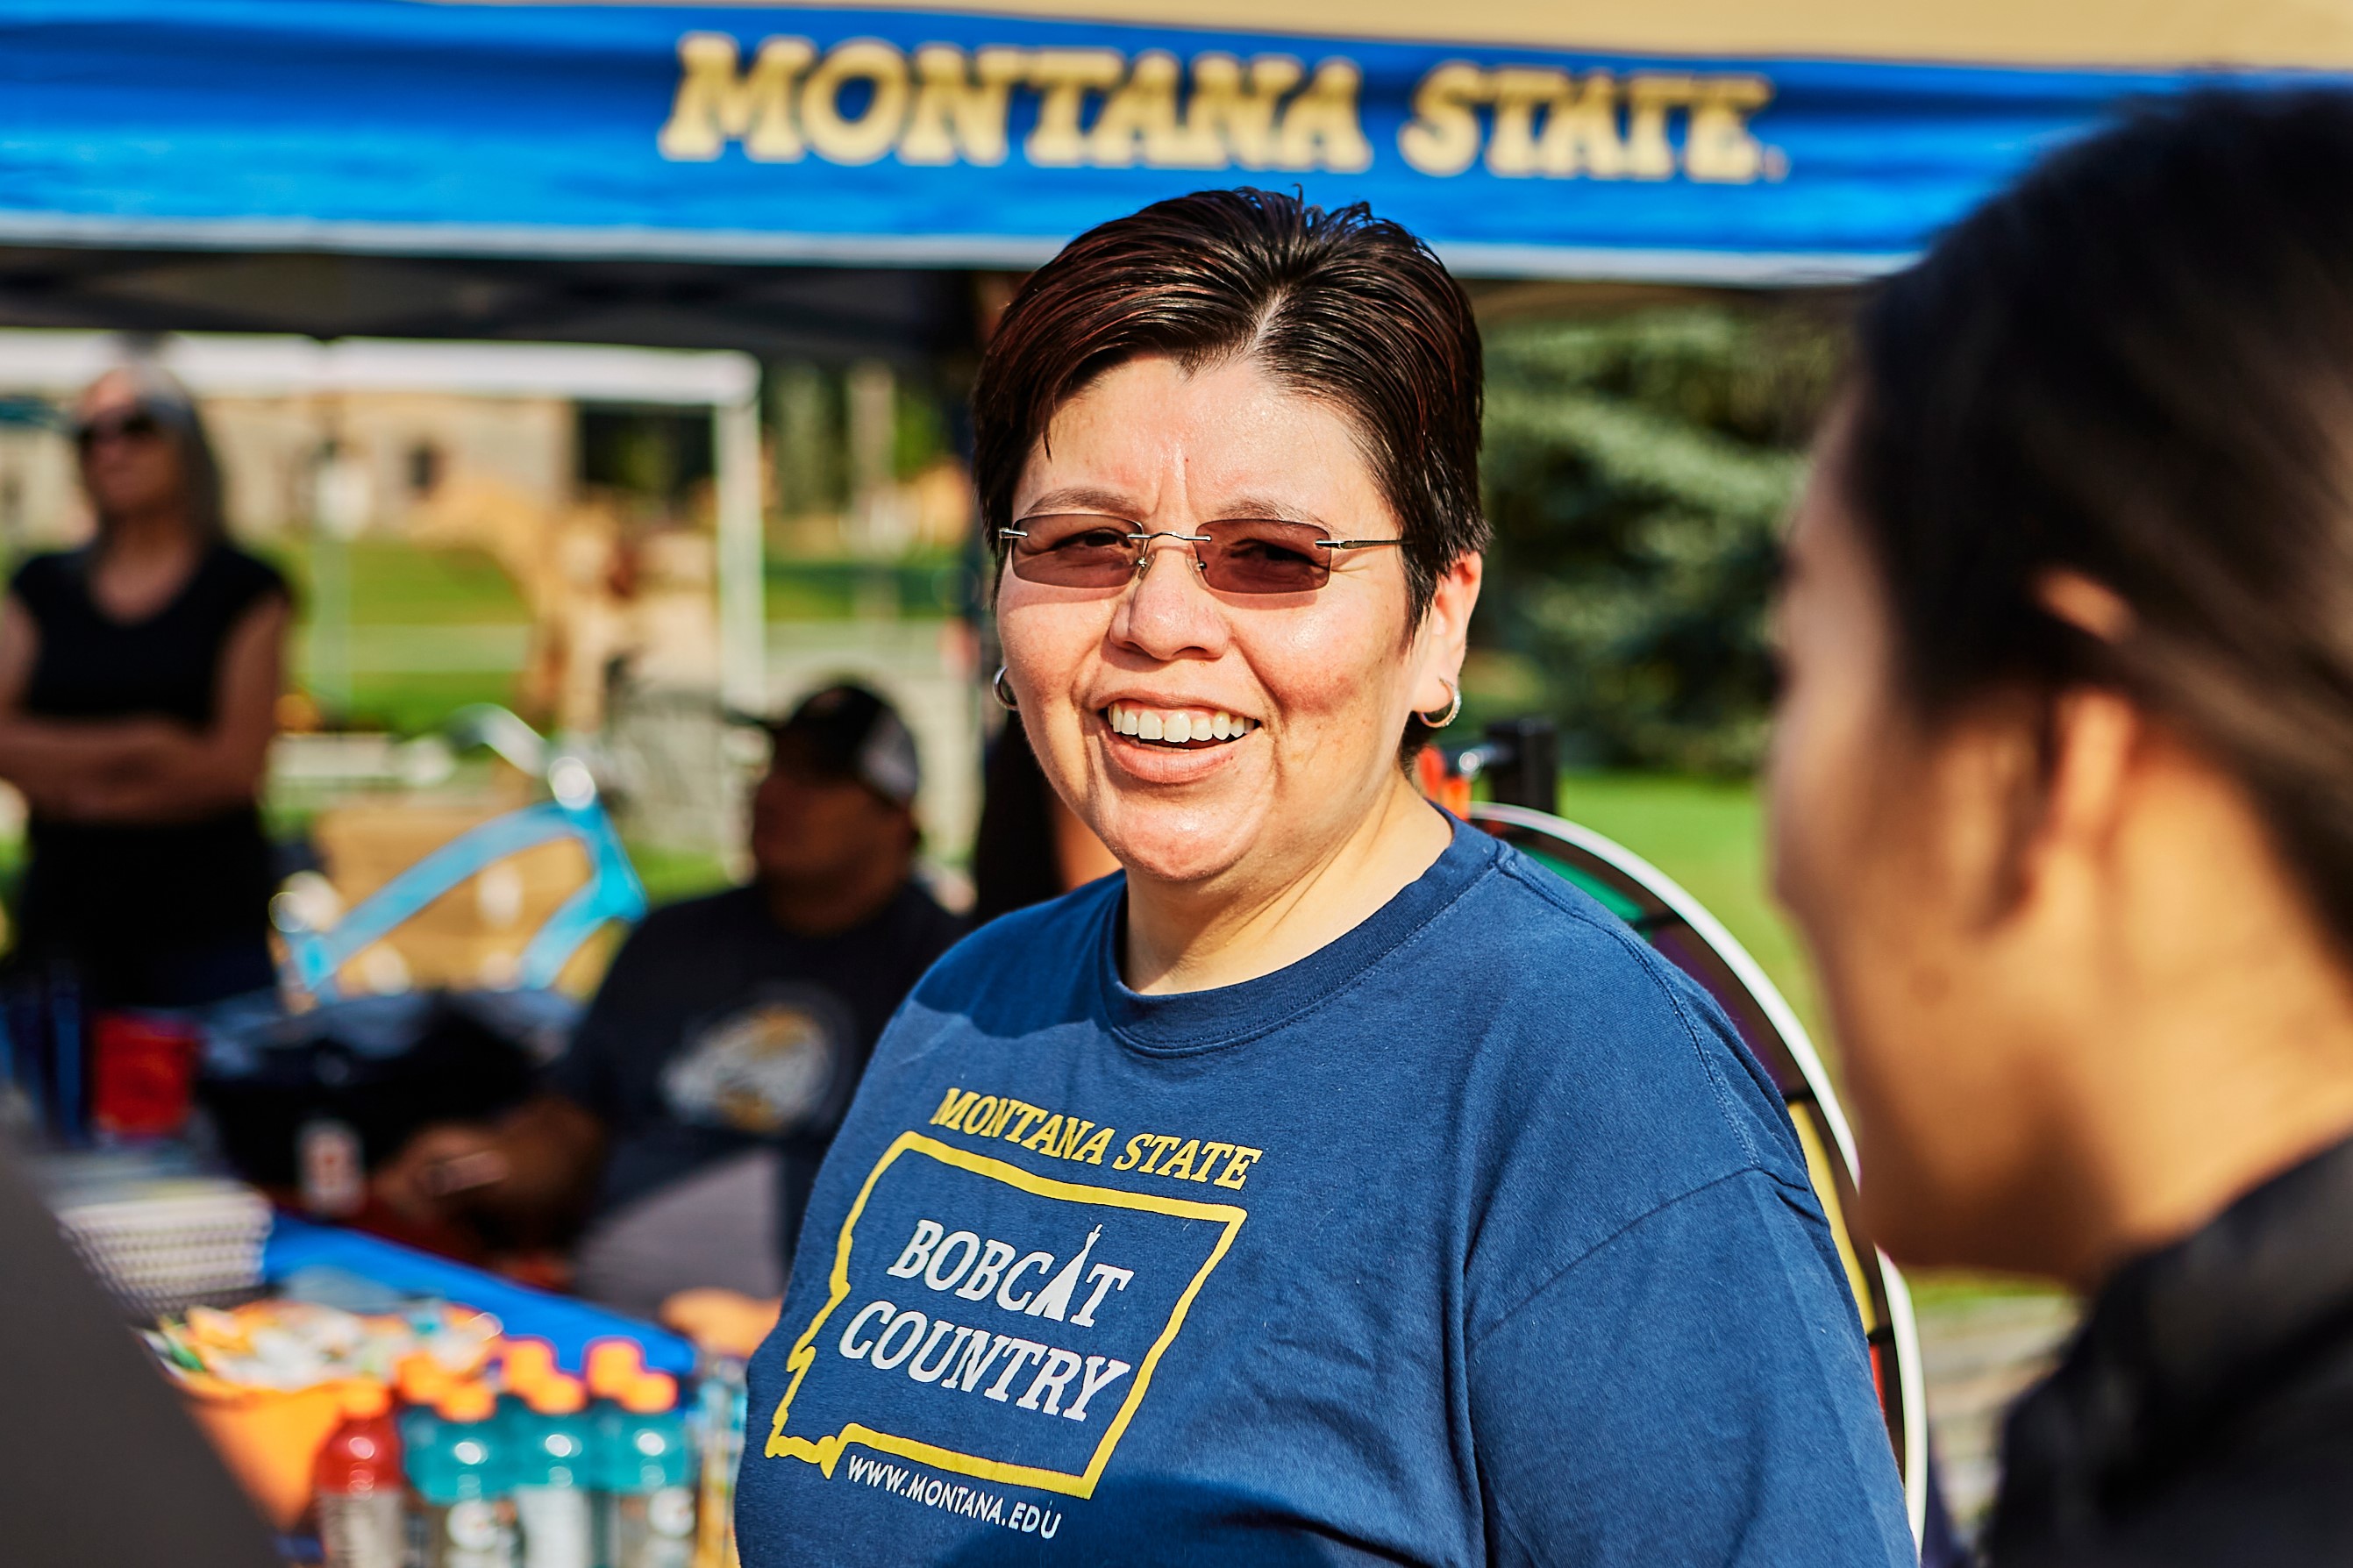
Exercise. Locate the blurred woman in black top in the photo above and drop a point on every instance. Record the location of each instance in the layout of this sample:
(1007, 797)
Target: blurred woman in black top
(139, 678)
(2062, 796)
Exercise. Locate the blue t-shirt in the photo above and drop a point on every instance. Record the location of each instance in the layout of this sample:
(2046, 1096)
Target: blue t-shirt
(1475, 1236)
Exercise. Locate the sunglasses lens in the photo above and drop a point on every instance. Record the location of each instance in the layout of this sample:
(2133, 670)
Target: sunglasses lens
(1256, 556)
(137, 425)
(1075, 551)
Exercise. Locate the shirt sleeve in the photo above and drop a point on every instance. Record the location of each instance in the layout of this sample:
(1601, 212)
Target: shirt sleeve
(1694, 1390)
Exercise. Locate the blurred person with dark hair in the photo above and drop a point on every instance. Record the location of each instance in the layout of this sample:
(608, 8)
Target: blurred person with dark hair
(698, 1095)
(2062, 798)
(1337, 1185)
(139, 682)
(1028, 847)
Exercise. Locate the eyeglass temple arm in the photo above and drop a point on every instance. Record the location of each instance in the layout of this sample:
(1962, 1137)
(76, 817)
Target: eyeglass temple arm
(1204, 539)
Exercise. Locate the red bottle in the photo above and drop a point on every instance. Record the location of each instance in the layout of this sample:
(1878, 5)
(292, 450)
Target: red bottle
(357, 1484)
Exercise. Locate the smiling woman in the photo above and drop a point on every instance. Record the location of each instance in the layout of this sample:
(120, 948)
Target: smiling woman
(1385, 1192)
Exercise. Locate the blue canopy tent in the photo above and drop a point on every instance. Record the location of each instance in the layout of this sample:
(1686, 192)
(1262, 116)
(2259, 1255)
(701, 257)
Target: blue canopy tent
(824, 180)
(1692, 143)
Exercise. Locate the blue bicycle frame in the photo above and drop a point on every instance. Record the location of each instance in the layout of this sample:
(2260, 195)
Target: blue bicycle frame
(611, 893)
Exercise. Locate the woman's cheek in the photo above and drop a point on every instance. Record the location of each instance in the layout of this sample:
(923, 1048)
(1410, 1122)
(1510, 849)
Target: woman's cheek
(1322, 666)
(1045, 643)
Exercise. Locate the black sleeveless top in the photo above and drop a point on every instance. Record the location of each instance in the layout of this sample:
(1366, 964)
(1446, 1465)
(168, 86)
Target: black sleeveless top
(152, 914)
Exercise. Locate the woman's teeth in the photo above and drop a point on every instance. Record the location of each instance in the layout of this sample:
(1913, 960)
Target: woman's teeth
(1177, 726)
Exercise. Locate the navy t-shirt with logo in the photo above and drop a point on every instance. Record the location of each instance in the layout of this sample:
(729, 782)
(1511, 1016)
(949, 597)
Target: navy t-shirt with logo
(717, 1031)
(1474, 1237)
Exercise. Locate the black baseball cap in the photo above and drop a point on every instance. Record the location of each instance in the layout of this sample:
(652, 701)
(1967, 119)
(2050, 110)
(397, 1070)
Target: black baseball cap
(851, 732)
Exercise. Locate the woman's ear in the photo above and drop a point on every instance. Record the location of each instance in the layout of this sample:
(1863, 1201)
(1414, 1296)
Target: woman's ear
(2035, 788)
(1445, 630)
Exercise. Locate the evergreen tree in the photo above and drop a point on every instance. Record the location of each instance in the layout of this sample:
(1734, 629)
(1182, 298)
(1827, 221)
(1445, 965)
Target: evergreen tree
(1638, 471)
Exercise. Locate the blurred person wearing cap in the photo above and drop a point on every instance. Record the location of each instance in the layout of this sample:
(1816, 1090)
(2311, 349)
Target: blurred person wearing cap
(701, 1090)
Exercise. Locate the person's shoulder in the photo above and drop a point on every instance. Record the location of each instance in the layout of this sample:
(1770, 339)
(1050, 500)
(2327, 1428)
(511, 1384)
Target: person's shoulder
(1572, 997)
(1551, 933)
(245, 577)
(39, 577)
(698, 920)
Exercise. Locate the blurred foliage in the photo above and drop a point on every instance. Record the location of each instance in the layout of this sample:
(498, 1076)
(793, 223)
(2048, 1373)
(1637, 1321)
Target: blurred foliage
(919, 437)
(1638, 469)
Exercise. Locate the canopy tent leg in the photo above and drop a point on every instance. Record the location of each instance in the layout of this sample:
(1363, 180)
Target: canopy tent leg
(743, 629)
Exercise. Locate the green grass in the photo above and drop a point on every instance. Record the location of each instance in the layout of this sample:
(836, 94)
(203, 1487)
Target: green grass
(1709, 835)
(808, 589)
(395, 582)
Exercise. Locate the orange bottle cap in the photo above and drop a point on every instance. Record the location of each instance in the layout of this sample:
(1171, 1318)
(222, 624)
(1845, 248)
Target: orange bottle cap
(362, 1399)
(612, 1366)
(649, 1394)
(466, 1402)
(526, 1362)
(556, 1395)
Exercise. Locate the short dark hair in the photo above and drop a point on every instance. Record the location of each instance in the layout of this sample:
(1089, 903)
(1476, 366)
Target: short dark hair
(2136, 364)
(1342, 305)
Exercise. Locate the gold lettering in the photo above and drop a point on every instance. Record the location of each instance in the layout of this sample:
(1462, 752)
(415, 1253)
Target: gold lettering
(1180, 1164)
(1161, 1145)
(980, 1114)
(1517, 92)
(1005, 1113)
(1072, 1131)
(1211, 1155)
(1442, 137)
(1320, 129)
(1133, 1152)
(1580, 133)
(715, 105)
(1063, 78)
(1649, 155)
(1093, 1152)
(1717, 146)
(867, 137)
(1238, 1168)
(1141, 117)
(1226, 121)
(1042, 1142)
(952, 1110)
(960, 113)
(1030, 1117)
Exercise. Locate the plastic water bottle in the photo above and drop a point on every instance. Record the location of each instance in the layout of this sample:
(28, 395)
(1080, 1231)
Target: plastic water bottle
(356, 1484)
(608, 1367)
(460, 1477)
(553, 1504)
(649, 1477)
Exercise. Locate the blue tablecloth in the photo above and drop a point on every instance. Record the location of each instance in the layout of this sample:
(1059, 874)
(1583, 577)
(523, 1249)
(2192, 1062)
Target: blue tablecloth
(567, 1324)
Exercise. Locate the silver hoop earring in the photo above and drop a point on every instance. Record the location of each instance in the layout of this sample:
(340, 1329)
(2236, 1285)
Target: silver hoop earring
(1004, 692)
(1452, 708)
